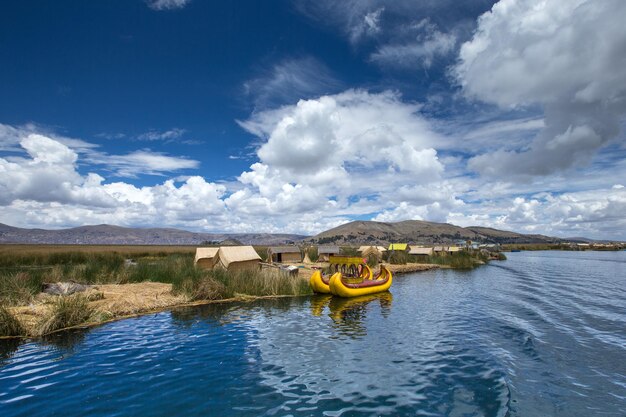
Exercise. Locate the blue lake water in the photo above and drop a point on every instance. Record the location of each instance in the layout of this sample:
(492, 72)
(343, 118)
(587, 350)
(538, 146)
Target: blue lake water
(541, 334)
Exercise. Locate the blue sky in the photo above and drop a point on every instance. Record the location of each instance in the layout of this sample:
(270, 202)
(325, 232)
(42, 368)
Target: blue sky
(297, 116)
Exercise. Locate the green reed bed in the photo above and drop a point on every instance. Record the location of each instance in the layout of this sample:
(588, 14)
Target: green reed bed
(18, 288)
(459, 260)
(220, 284)
(22, 276)
(265, 282)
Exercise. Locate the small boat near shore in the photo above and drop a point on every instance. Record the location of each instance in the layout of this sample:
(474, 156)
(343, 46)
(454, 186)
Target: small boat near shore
(320, 283)
(342, 287)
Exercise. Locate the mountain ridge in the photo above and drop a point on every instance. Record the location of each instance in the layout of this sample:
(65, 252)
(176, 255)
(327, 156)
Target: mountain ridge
(418, 231)
(104, 234)
(356, 232)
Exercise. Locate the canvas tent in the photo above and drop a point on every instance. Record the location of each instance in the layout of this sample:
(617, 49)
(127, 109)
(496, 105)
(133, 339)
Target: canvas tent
(325, 252)
(421, 252)
(285, 254)
(205, 257)
(237, 258)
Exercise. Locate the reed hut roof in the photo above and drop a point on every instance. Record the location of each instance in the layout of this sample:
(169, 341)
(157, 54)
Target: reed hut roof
(205, 253)
(421, 251)
(368, 247)
(398, 246)
(230, 254)
(285, 249)
(328, 249)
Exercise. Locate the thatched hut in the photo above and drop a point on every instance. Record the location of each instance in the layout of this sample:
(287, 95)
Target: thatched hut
(205, 257)
(282, 254)
(420, 253)
(237, 258)
(398, 247)
(325, 252)
(372, 252)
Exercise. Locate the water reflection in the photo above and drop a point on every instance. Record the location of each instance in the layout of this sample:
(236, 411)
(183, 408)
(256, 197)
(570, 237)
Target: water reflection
(233, 312)
(319, 302)
(66, 341)
(7, 348)
(349, 314)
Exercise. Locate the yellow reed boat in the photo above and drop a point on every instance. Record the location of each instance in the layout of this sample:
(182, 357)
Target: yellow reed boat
(348, 267)
(342, 287)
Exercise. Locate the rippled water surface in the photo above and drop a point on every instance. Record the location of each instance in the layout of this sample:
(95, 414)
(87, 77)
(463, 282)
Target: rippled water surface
(541, 334)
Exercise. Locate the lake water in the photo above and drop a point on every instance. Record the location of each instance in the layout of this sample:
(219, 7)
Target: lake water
(541, 334)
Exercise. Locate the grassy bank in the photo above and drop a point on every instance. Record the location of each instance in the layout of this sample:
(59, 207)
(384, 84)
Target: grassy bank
(24, 270)
(456, 260)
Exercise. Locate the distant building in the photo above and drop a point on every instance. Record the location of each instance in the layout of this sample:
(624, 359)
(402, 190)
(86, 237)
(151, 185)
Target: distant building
(372, 251)
(419, 252)
(324, 252)
(282, 254)
(398, 247)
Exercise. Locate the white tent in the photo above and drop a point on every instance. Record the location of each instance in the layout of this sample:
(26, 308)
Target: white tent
(421, 251)
(235, 258)
(205, 257)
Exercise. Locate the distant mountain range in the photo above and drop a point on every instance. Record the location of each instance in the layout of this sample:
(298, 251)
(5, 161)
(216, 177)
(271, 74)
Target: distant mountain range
(105, 234)
(357, 232)
(416, 231)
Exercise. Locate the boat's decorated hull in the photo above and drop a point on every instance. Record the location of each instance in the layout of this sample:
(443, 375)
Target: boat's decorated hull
(317, 283)
(342, 289)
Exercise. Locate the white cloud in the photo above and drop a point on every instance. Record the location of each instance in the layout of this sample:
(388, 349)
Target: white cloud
(289, 81)
(595, 213)
(564, 55)
(428, 44)
(368, 26)
(167, 4)
(346, 132)
(166, 135)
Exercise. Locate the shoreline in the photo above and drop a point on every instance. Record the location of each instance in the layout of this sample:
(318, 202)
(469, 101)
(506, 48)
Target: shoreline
(412, 267)
(29, 315)
(113, 302)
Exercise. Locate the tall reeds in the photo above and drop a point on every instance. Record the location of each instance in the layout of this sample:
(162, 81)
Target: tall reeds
(18, 288)
(9, 324)
(459, 260)
(218, 284)
(65, 311)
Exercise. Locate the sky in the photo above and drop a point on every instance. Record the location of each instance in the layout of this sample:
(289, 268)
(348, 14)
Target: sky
(296, 116)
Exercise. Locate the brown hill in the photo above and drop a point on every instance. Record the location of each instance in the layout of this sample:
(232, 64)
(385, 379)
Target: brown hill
(416, 231)
(105, 234)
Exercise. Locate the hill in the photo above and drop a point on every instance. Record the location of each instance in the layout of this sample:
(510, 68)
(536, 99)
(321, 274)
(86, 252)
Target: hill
(105, 234)
(416, 231)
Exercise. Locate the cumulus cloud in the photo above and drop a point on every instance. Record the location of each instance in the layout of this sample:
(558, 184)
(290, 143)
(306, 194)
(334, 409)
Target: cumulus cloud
(348, 130)
(167, 4)
(565, 56)
(353, 143)
(46, 184)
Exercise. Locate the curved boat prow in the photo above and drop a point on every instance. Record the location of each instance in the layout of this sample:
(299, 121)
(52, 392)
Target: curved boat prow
(319, 283)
